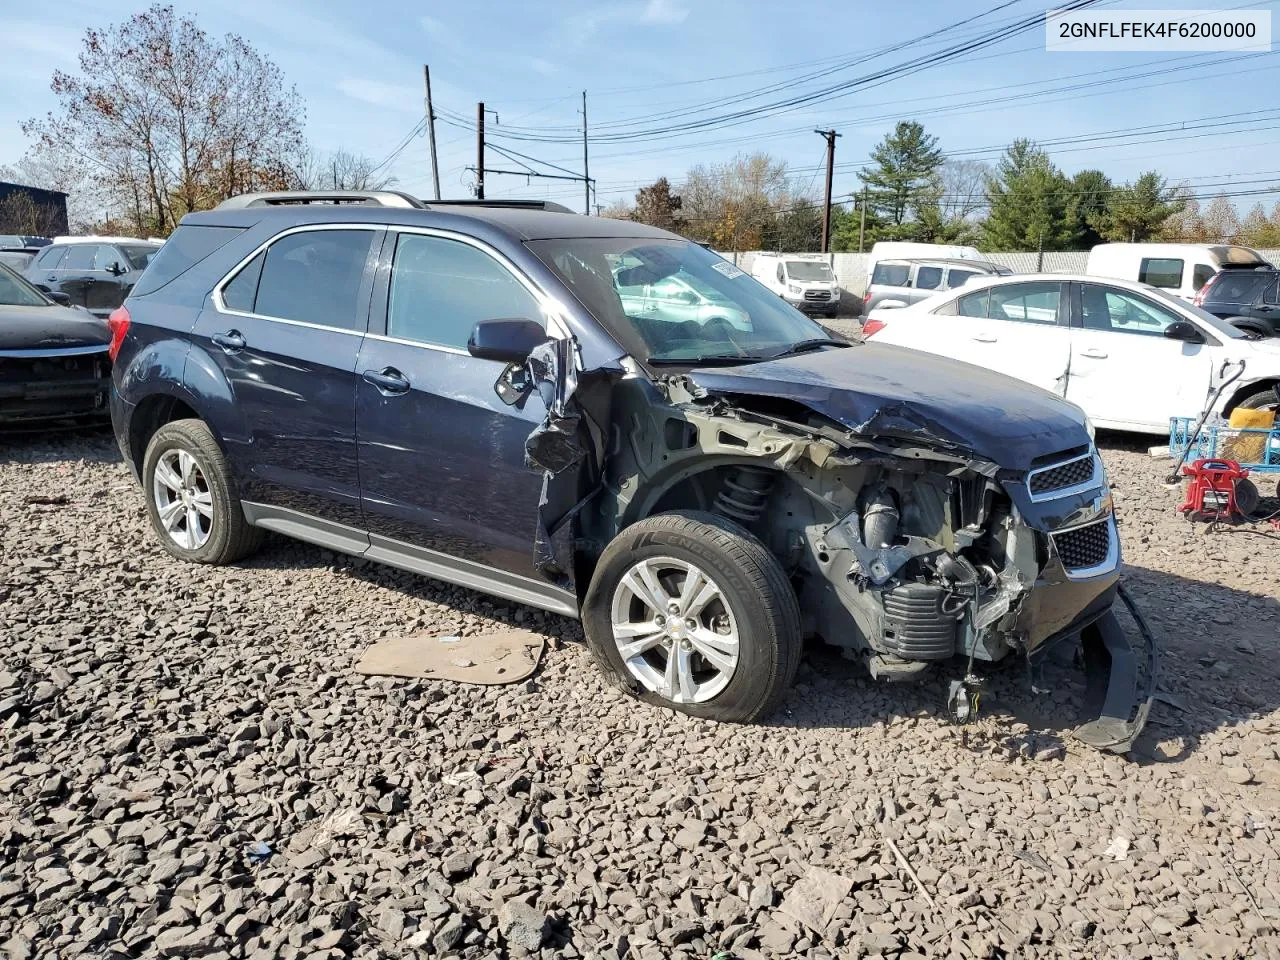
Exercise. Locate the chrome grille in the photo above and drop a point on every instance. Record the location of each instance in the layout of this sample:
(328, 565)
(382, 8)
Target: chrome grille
(1062, 476)
(1084, 547)
(817, 294)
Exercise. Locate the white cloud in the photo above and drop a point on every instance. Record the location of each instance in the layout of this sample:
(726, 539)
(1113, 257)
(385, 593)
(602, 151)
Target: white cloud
(544, 67)
(379, 94)
(663, 11)
(444, 35)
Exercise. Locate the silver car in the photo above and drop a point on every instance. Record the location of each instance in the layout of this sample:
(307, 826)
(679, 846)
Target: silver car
(899, 283)
(679, 299)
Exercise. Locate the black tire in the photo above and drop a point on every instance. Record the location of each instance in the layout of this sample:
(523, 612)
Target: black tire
(1247, 497)
(1262, 400)
(756, 591)
(230, 536)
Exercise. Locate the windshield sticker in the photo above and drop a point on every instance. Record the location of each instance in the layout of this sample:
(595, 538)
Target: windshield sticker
(728, 269)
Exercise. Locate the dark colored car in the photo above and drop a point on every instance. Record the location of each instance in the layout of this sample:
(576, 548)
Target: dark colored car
(459, 390)
(1248, 299)
(95, 273)
(53, 360)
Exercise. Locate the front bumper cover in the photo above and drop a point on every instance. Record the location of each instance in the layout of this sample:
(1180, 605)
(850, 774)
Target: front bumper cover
(1120, 679)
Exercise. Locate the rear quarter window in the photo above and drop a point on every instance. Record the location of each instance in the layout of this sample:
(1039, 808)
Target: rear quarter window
(1237, 286)
(891, 274)
(183, 250)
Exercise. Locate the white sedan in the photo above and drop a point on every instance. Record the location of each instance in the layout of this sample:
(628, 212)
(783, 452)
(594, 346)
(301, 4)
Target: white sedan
(1130, 355)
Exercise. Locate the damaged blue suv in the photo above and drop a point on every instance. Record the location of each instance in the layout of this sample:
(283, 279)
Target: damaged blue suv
(498, 396)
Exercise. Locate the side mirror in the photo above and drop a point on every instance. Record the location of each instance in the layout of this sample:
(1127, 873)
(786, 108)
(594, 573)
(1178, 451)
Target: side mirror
(1185, 331)
(115, 268)
(61, 299)
(507, 341)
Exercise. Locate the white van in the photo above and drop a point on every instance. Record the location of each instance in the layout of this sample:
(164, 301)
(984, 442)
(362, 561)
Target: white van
(911, 250)
(1177, 268)
(804, 280)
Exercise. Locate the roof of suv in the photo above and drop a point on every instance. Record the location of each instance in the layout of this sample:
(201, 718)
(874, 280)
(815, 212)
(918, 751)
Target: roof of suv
(977, 266)
(525, 222)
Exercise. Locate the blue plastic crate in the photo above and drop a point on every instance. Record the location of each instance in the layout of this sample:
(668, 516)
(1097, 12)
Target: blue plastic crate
(1209, 442)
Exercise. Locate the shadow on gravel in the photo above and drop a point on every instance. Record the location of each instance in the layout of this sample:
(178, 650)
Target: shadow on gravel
(45, 443)
(1217, 669)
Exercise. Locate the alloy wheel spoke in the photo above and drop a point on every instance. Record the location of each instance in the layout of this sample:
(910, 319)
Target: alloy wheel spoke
(187, 466)
(641, 581)
(204, 503)
(678, 677)
(168, 476)
(640, 645)
(714, 648)
(171, 513)
(693, 583)
(704, 596)
(193, 527)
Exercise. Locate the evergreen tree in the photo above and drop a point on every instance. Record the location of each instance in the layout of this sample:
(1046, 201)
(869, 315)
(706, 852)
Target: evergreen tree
(905, 164)
(1091, 193)
(1028, 203)
(1138, 211)
(657, 206)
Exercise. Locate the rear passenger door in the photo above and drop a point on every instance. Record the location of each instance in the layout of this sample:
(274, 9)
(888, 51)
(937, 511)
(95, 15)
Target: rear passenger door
(283, 332)
(442, 471)
(45, 270)
(75, 274)
(1019, 329)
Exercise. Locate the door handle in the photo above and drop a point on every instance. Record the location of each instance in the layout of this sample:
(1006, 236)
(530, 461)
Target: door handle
(1094, 353)
(1263, 308)
(984, 338)
(52, 278)
(232, 341)
(389, 381)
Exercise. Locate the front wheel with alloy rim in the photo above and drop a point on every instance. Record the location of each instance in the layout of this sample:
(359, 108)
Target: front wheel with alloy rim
(689, 610)
(191, 497)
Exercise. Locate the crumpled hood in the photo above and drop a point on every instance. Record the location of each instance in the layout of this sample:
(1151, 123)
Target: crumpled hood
(36, 328)
(879, 389)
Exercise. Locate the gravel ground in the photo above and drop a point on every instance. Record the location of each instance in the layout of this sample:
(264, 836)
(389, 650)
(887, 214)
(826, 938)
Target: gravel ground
(189, 767)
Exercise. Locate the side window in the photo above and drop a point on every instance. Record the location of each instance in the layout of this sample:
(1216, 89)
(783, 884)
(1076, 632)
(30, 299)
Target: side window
(1272, 292)
(441, 288)
(958, 278)
(1202, 275)
(928, 278)
(107, 256)
(80, 256)
(314, 277)
(1122, 312)
(242, 291)
(782, 277)
(891, 274)
(1161, 272)
(974, 305)
(51, 257)
(1026, 302)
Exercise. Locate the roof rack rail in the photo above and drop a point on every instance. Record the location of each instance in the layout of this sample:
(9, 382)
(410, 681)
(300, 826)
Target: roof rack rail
(546, 205)
(280, 198)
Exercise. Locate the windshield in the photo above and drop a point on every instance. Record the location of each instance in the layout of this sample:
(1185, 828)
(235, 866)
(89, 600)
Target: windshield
(139, 255)
(808, 270)
(671, 301)
(1218, 325)
(16, 292)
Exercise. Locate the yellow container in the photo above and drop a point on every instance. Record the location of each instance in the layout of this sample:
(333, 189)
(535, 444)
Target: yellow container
(1248, 447)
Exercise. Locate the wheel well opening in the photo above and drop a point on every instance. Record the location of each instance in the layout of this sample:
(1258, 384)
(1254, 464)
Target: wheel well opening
(1258, 387)
(152, 414)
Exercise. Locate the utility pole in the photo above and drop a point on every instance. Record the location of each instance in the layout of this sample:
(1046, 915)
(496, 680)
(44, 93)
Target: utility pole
(480, 150)
(830, 136)
(586, 174)
(431, 131)
(862, 224)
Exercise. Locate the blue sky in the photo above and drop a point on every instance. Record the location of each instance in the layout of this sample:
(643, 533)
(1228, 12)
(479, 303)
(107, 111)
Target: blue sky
(358, 66)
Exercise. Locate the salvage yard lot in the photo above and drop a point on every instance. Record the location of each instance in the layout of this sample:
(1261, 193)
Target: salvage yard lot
(157, 720)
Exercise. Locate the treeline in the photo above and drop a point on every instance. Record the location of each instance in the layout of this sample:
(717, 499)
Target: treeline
(911, 190)
(162, 119)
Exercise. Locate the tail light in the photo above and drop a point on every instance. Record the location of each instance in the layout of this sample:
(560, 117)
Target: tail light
(872, 326)
(118, 324)
(1198, 299)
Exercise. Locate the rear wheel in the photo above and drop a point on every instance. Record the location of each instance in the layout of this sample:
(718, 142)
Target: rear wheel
(1262, 400)
(690, 611)
(191, 496)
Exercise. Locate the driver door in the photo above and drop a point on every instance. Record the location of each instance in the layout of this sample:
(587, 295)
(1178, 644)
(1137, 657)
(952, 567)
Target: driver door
(443, 480)
(1124, 371)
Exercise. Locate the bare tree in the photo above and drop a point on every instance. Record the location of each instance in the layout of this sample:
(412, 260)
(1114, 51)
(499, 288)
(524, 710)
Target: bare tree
(340, 170)
(1220, 221)
(619, 210)
(730, 204)
(163, 119)
(962, 189)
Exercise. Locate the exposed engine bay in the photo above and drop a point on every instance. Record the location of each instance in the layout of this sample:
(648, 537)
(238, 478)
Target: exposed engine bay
(904, 548)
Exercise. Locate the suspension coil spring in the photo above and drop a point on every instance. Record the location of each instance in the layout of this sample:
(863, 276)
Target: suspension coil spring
(745, 493)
